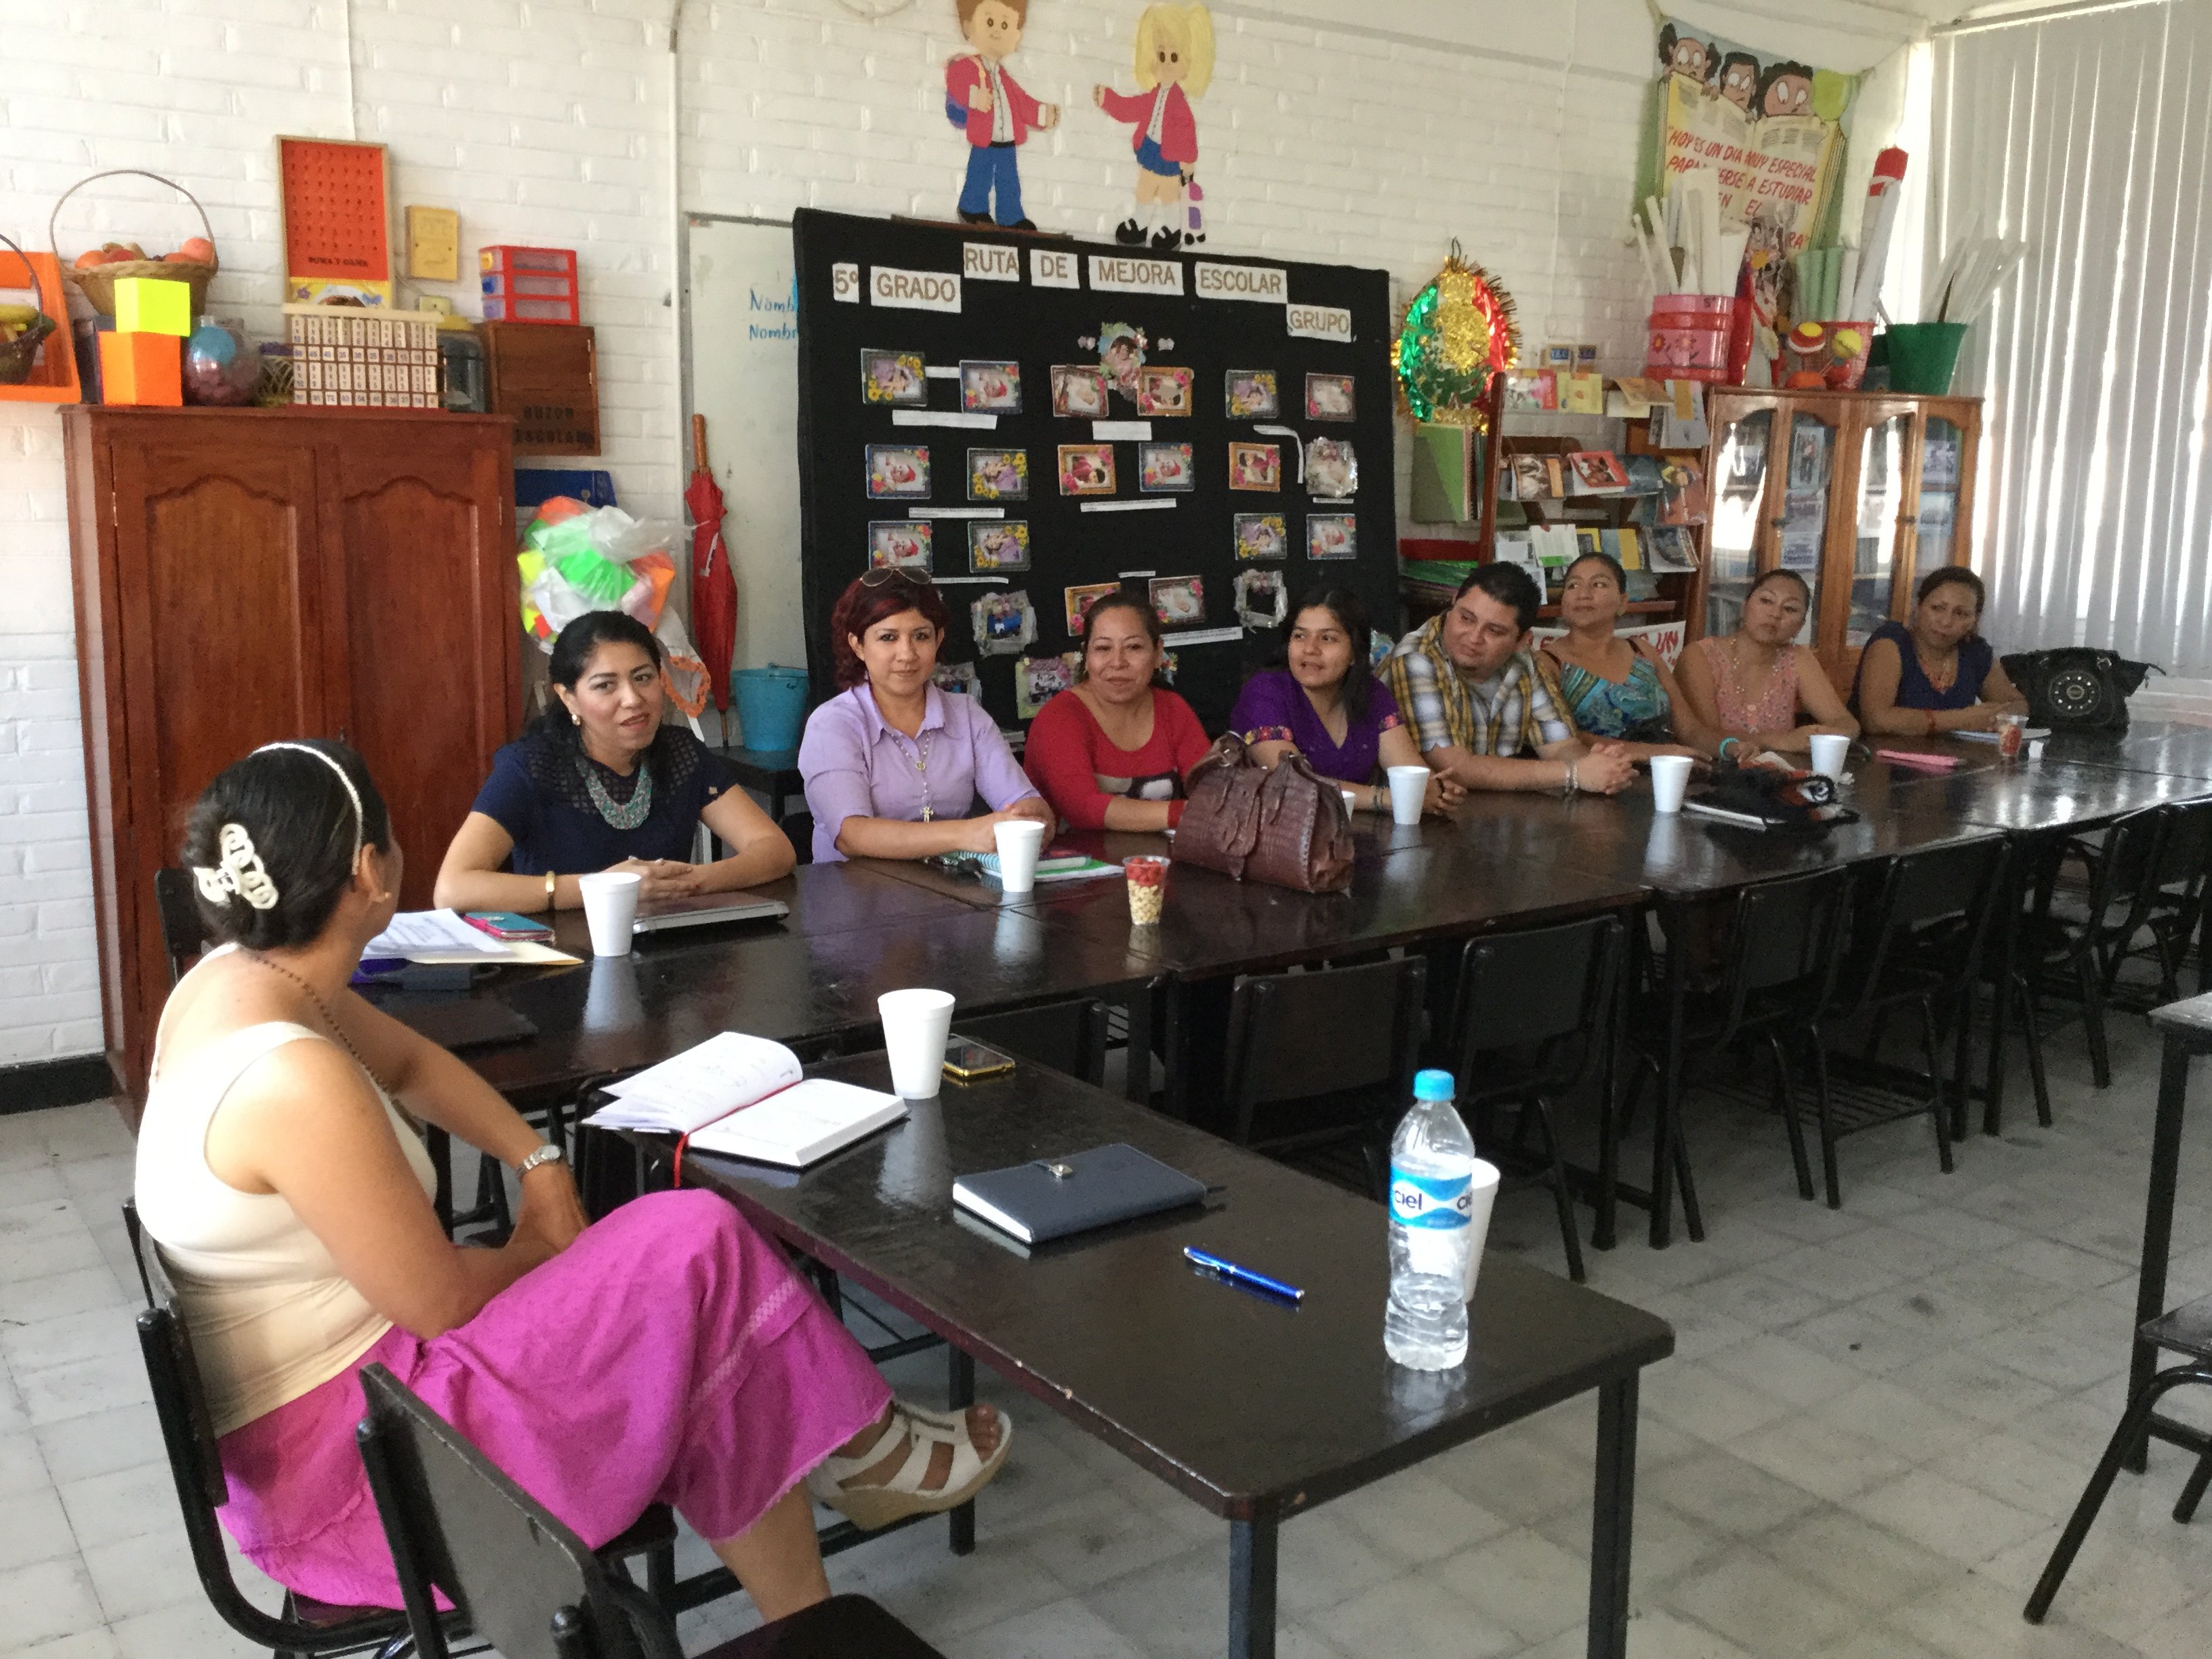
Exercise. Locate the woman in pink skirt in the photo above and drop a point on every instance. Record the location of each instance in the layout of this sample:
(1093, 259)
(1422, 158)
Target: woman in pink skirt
(667, 1354)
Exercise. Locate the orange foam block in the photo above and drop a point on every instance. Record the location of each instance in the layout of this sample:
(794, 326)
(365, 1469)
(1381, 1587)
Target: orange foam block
(142, 368)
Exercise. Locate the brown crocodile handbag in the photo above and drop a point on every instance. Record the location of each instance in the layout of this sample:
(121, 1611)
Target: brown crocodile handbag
(1286, 826)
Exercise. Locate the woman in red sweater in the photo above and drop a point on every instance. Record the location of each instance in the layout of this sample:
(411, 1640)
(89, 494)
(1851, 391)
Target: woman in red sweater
(1111, 753)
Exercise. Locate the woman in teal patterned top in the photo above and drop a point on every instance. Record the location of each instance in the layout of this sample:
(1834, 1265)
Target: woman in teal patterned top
(1615, 690)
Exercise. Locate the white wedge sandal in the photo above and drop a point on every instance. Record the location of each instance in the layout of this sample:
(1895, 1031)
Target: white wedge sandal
(836, 1481)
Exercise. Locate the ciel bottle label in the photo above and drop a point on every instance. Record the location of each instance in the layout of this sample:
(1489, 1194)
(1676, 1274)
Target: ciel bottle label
(1431, 1200)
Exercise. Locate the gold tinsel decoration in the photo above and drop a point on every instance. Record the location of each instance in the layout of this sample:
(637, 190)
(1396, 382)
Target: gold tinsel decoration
(1457, 332)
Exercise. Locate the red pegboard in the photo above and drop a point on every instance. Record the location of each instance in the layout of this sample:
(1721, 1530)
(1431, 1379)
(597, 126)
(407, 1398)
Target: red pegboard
(338, 216)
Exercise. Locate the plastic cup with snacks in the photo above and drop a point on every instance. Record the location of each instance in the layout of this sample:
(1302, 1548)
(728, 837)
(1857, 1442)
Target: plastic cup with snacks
(2012, 735)
(1148, 887)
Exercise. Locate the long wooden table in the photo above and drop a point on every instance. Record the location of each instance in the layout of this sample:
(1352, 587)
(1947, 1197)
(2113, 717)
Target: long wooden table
(1257, 1409)
(860, 928)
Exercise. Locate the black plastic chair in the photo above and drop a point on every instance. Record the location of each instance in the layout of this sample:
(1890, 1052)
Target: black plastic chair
(2071, 947)
(1324, 1057)
(1916, 942)
(1536, 1019)
(2187, 1329)
(1069, 1036)
(1778, 972)
(2171, 907)
(303, 1627)
(183, 937)
(519, 1578)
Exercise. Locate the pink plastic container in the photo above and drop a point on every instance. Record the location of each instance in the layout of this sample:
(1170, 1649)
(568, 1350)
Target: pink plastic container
(1690, 338)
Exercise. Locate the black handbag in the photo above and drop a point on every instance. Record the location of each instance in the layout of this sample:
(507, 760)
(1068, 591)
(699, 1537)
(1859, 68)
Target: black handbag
(2077, 687)
(1803, 801)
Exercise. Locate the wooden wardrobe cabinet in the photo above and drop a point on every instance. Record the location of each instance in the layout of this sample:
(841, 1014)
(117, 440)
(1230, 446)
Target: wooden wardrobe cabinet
(248, 575)
(1862, 493)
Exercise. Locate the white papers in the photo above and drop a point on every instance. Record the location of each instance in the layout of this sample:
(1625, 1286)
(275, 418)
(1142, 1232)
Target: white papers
(807, 1121)
(1148, 504)
(941, 417)
(1107, 431)
(700, 1085)
(412, 933)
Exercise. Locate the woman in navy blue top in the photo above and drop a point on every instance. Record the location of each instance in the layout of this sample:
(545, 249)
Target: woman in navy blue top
(603, 783)
(1936, 673)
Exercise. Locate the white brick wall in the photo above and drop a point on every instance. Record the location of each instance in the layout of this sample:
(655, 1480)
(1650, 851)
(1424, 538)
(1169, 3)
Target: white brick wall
(571, 122)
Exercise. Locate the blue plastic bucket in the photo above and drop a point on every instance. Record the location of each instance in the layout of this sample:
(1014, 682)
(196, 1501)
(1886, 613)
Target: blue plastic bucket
(771, 706)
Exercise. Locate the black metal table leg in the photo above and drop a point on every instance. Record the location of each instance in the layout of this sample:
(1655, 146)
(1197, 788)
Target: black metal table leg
(2158, 1223)
(961, 1387)
(1137, 1086)
(1178, 1039)
(1613, 1517)
(2001, 997)
(1252, 1590)
(1669, 1103)
(1604, 1229)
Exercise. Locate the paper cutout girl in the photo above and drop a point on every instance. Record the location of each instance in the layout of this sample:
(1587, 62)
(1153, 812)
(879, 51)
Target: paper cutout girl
(1174, 65)
(990, 107)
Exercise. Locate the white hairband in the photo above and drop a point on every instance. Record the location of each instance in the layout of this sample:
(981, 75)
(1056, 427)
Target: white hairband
(241, 871)
(359, 822)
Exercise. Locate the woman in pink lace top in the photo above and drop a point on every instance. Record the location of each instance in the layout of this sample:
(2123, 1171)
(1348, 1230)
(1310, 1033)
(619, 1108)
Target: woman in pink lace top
(1755, 683)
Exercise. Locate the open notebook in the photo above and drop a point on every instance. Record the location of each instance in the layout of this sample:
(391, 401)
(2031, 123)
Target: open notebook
(748, 1097)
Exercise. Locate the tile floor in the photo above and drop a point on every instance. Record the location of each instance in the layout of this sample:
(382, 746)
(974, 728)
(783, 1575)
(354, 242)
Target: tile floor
(1864, 1448)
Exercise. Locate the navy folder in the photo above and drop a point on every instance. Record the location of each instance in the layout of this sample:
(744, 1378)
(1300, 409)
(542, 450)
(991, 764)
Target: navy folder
(1053, 1197)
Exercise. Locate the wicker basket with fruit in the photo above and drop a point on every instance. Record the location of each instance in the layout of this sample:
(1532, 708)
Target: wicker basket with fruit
(96, 270)
(22, 329)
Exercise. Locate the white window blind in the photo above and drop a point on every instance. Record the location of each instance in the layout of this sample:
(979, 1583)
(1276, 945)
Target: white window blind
(2090, 137)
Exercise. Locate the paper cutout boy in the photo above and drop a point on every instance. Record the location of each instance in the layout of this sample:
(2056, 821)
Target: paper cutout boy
(998, 116)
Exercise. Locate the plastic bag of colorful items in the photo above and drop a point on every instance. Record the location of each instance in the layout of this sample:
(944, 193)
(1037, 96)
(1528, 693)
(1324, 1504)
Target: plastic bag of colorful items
(576, 559)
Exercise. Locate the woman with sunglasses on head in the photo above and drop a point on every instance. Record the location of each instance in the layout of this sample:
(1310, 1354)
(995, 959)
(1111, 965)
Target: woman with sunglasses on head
(605, 781)
(893, 765)
(1936, 673)
(1325, 704)
(667, 1354)
(1753, 685)
(1110, 753)
(1614, 689)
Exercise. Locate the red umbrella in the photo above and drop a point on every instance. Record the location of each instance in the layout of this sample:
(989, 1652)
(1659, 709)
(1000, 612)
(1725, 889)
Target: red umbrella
(714, 589)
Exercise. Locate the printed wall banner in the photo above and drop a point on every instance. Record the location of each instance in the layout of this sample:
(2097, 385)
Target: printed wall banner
(1114, 273)
(1318, 323)
(1269, 284)
(1768, 132)
(913, 290)
(990, 262)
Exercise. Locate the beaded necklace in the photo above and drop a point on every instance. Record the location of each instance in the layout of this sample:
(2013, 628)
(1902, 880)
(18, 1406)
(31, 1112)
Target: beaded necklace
(619, 815)
(921, 764)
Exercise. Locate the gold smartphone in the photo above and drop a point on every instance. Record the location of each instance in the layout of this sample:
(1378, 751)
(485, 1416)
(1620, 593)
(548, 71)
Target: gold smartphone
(968, 1062)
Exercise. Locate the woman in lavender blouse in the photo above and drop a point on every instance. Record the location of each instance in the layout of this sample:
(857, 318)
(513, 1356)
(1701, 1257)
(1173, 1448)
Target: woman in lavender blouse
(893, 765)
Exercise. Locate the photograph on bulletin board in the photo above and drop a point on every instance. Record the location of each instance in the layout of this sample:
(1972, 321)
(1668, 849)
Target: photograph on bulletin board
(1185, 489)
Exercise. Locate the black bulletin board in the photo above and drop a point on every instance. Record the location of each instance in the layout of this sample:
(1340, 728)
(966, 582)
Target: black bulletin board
(1039, 327)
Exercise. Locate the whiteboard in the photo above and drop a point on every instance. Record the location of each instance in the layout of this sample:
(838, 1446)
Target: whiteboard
(741, 371)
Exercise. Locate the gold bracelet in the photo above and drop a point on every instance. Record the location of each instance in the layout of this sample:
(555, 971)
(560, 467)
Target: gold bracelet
(552, 899)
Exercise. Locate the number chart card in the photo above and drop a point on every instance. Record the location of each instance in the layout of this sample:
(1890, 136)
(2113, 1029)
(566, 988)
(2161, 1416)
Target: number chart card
(1125, 416)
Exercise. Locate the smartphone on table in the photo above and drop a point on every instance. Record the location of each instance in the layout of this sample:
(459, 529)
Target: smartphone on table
(507, 925)
(968, 1061)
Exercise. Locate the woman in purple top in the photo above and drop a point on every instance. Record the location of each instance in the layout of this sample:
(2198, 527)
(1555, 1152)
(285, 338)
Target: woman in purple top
(893, 765)
(1325, 704)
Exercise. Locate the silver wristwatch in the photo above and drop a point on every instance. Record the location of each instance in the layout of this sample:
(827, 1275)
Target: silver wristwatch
(549, 1153)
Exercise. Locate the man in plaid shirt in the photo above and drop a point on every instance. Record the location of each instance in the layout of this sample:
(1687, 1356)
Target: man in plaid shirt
(1480, 707)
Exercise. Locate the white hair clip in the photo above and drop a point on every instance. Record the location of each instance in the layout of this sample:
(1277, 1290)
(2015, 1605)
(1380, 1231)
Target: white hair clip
(241, 872)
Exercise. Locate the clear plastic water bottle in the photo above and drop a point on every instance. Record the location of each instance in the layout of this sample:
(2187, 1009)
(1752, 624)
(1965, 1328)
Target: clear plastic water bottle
(1431, 1205)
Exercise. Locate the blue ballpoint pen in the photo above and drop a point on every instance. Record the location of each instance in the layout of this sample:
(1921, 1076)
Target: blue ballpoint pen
(1234, 1274)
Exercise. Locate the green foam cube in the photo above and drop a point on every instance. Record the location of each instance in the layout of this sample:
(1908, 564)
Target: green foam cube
(153, 305)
